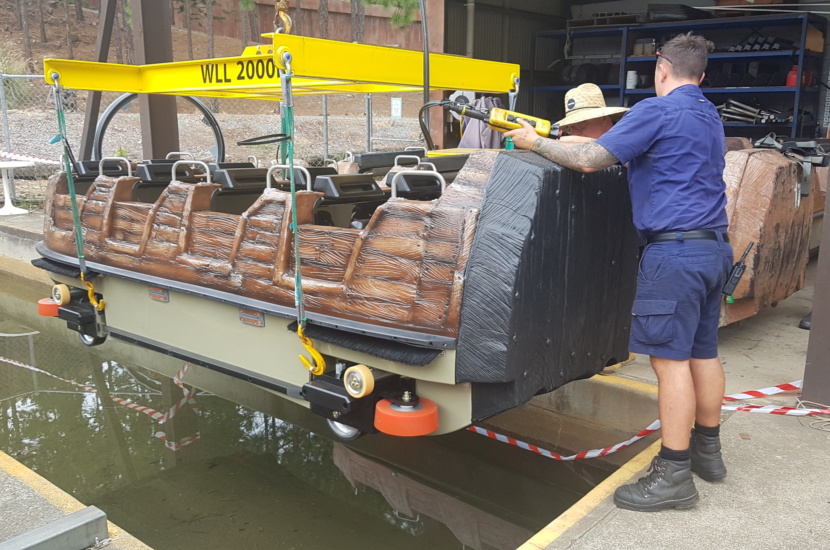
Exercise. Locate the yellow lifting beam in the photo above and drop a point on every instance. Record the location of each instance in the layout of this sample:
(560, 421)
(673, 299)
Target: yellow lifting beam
(319, 66)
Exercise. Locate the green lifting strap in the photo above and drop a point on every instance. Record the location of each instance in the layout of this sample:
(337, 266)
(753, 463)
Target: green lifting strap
(76, 218)
(287, 154)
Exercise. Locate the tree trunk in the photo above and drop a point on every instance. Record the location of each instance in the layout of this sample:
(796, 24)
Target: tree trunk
(254, 20)
(116, 35)
(189, 23)
(79, 11)
(324, 18)
(69, 50)
(128, 33)
(40, 21)
(358, 20)
(246, 28)
(27, 41)
(18, 21)
(211, 53)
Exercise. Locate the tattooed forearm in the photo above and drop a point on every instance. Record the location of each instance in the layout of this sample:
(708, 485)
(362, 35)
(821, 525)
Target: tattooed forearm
(583, 157)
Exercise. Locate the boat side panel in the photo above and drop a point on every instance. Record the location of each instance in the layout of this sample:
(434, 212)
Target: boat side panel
(550, 282)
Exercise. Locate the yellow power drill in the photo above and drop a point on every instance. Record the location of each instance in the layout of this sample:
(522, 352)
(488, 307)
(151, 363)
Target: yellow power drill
(503, 120)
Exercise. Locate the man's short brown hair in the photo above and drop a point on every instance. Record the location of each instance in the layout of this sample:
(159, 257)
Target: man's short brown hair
(687, 55)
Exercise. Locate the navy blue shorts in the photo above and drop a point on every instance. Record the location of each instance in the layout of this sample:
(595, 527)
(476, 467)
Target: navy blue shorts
(677, 310)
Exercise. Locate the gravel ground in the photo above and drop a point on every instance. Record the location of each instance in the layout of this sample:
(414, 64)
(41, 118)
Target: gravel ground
(32, 131)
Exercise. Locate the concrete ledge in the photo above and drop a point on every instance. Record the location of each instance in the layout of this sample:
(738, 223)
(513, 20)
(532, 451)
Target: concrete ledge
(76, 531)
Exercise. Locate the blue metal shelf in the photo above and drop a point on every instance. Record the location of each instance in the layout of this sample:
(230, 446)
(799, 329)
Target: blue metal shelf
(608, 87)
(746, 90)
(725, 56)
(797, 22)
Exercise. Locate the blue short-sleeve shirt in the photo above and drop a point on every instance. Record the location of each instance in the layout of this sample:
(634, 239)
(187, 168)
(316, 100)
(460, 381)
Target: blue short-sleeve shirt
(674, 147)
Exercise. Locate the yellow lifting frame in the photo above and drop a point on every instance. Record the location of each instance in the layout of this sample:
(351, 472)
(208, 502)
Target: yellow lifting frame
(319, 67)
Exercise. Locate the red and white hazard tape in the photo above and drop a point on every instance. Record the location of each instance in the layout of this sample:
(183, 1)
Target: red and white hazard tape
(161, 418)
(654, 426)
(15, 156)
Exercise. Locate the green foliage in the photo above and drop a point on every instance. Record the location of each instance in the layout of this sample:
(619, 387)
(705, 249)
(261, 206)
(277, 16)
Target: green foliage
(404, 10)
(246, 5)
(121, 152)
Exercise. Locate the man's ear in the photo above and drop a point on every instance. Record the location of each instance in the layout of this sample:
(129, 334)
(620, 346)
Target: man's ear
(701, 78)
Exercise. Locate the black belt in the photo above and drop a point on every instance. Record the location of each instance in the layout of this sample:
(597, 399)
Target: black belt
(705, 235)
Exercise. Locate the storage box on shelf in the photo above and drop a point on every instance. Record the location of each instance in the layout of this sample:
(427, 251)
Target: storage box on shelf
(764, 71)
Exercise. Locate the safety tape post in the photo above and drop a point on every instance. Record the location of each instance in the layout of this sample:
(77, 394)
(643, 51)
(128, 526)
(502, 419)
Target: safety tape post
(159, 417)
(654, 426)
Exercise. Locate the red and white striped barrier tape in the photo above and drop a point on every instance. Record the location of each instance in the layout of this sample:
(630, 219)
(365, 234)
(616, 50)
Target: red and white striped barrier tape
(15, 156)
(161, 418)
(772, 390)
(654, 426)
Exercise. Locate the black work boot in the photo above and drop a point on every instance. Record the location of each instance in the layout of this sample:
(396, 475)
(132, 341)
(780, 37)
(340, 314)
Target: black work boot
(707, 461)
(668, 484)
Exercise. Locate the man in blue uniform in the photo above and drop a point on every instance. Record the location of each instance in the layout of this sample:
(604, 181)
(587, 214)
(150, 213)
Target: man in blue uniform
(674, 147)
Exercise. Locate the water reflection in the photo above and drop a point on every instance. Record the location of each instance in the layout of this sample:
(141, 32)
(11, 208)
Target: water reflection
(252, 478)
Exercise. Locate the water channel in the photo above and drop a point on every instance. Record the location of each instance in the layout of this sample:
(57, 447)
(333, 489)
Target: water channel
(250, 471)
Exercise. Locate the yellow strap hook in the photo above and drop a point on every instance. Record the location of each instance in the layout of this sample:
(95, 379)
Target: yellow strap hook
(317, 365)
(99, 304)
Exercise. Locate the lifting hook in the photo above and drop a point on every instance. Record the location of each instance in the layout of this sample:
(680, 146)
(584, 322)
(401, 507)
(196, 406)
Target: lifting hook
(317, 365)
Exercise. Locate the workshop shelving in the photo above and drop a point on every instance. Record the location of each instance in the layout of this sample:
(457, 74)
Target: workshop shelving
(604, 55)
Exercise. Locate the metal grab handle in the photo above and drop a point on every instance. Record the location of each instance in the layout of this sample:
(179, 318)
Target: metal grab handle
(416, 173)
(331, 162)
(189, 162)
(120, 159)
(253, 160)
(180, 153)
(286, 167)
(407, 157)
(434, 169)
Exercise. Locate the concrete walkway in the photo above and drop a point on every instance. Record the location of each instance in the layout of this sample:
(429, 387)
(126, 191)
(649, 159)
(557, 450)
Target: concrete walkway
(777, 493)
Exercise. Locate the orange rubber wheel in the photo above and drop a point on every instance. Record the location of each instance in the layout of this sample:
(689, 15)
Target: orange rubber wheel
(47, 307)
(393, 420)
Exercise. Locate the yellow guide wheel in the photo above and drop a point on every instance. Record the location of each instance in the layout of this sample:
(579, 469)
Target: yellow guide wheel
(60, 294)
(358, 381)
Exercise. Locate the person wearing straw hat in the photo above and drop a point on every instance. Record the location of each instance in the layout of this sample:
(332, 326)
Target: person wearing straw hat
(586, 114)
(674, 147)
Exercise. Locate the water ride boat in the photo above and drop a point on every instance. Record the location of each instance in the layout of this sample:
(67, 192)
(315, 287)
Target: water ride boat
(425, 306)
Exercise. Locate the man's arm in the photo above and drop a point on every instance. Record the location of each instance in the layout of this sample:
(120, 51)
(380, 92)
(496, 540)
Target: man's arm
(582, 157)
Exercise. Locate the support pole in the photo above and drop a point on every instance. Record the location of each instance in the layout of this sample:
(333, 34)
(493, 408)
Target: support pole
(106, 18)
(325, 128)
(368, 123)
(154, 44)
(817, 369)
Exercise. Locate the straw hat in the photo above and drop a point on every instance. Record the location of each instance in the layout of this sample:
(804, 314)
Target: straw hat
(586, 102)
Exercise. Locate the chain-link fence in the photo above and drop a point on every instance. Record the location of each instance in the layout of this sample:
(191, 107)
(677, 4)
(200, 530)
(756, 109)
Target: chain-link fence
(327, 127)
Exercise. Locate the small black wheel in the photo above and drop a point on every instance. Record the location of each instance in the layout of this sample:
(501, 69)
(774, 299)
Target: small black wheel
(344, 432)
(88, 340)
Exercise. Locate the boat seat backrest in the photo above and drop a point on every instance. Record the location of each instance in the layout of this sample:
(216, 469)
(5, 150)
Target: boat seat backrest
(214, 166)
(368, 162)
(313, 171)
(241, 178)
(348, 188)
(159, 172)
(112, 168)
(417, 187)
